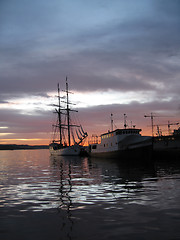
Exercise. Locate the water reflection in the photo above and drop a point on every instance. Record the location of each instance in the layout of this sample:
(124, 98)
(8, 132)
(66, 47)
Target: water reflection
(102, 194)
(98, 181)
(31, 180)
(65, 198)
(117, 188)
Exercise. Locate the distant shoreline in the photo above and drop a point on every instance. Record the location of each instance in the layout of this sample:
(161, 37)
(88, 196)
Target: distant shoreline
(21, 147)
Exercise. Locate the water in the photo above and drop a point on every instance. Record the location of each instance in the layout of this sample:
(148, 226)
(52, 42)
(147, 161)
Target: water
(42, 197)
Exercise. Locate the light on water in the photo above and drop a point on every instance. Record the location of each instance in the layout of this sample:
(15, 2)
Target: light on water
(43, 197)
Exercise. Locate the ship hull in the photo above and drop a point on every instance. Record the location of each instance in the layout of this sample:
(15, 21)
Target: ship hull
(166, 147)
(145, 151)
(74, 150)
(166, 143)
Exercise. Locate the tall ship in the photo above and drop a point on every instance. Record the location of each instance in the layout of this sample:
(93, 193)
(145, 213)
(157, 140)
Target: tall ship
(67, 135)
(123, 142)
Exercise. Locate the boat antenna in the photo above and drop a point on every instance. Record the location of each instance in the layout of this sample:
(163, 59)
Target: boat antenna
(111, 122)
(125, 121)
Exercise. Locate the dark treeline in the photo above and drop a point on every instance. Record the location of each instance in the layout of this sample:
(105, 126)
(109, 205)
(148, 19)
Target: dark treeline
(16, 147)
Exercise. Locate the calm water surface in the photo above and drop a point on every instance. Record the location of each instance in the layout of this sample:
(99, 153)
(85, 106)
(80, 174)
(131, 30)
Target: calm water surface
(42, 197)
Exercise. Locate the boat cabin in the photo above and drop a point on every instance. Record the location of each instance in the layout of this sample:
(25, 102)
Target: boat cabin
(111, 140)
(125, 131)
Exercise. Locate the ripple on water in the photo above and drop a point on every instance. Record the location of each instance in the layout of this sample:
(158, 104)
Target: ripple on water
(45, 183)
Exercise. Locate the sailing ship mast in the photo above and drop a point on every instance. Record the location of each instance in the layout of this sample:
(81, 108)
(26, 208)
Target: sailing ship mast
(68, 110)
(59, 117)
(69, 125)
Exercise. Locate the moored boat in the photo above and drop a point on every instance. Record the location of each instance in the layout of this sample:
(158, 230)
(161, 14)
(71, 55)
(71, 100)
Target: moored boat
(121, 142)
(67, 134)
(167, 144)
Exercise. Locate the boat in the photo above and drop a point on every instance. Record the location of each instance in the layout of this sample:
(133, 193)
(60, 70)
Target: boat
(167, 144)
(125, 142)
(67, 135)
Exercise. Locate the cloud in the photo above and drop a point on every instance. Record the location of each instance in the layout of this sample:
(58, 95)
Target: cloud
(127, 53)
(95, 119)
(100, 46)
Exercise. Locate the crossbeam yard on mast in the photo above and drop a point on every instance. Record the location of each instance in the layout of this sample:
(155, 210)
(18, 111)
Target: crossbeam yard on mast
(69, 103)
(65, 125)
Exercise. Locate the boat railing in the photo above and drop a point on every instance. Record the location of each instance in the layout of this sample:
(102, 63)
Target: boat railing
(95, 139)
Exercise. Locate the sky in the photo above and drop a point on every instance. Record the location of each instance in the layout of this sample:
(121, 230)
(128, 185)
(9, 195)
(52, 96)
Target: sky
(120, 57)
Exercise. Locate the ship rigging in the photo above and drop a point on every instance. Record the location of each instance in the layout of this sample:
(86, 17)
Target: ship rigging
(70, 134)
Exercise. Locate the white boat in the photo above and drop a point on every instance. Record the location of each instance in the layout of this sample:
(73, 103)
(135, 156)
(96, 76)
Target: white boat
(121, 142)
(57, 150)
(67, 135)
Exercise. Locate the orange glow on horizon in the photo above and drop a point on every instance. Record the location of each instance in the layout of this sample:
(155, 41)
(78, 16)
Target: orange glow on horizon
(21, 141)
(45, 141)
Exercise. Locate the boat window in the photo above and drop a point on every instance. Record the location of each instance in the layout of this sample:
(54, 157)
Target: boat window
(94, 146)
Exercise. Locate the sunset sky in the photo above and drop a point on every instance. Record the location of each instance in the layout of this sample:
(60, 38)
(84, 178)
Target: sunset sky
(120, 56)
